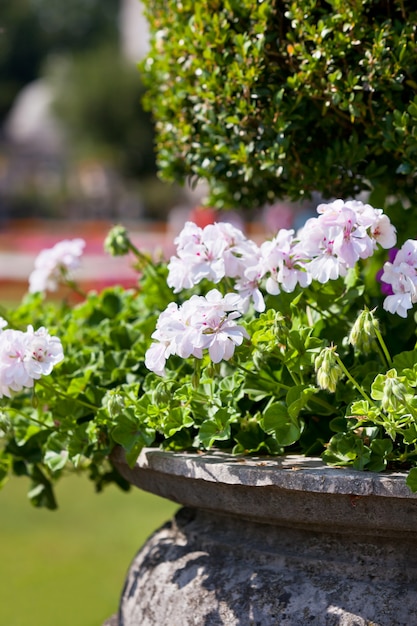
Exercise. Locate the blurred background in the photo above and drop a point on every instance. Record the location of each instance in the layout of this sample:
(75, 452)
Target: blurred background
(76, 155)
(77, 147)
(76, 143)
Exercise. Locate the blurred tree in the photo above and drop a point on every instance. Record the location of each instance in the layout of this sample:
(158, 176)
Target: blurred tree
(98, 99)
(31, 29)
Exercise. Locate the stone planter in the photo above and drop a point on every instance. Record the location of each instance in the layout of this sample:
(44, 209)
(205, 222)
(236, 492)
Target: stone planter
(274, 541)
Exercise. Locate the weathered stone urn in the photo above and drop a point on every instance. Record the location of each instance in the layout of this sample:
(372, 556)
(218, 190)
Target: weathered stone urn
(272, 541)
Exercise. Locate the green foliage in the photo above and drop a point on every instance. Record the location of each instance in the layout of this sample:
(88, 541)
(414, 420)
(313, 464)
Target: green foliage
(303, 381)
(64, 423)
(269, 99)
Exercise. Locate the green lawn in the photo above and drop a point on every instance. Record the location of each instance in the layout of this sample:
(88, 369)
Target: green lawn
(67, 567)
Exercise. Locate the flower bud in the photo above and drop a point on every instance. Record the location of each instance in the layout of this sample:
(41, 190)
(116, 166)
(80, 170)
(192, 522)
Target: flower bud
(363, 332)
(328, 370)
(115, 404)
(161, 394)
(117, 242)
(394, 392)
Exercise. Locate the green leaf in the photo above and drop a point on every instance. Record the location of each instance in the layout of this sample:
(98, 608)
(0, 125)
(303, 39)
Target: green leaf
(5, 467)
(412, 479)
(132, 435)
(177, 419)
(298, 397)
(56, 460)
(276, 420)
(410, 434)
(41, 493)
(347, 449)
(216, 429)
(251, 438)
(381, 447)
(212, 431)
(405, 360)
(111, 304)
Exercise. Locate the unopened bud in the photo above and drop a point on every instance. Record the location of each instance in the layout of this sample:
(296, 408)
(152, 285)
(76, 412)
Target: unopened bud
(328, 370)
(161, 394)
(395, 391)
(115, 404)
(117, 241)
(363, 332)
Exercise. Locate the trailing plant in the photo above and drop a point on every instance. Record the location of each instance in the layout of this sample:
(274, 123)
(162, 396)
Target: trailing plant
(288, 346)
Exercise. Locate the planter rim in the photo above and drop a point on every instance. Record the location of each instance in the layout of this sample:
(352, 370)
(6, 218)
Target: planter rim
(289, 472)
(294, 491)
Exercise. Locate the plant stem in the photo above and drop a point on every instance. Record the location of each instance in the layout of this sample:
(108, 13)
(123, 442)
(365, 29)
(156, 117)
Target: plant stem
(322, 403)
(60, 393)
(384, 348)
(29, 417)
(75, 287)
(354, 382)
(259, 376)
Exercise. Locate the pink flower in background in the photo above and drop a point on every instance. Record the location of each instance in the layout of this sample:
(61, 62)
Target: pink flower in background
(324, 249)
(43, 352)
(156, 357)
(54, 264)
(343, 233)
(318, 239)
(13, 374)
(371, 223)
(380, 228)
(249, 290)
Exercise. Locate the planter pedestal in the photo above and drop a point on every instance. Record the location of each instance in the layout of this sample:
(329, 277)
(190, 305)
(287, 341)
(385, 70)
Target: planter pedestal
(282, 541)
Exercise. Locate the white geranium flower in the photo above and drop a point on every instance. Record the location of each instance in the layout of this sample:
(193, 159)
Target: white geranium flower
(200, 323)
(25, 357)
(53, 264)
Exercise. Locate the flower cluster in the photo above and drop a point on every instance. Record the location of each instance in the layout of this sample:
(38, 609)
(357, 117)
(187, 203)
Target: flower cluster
(202, 322)
(55, 263)
(324, 249)
(25, 357)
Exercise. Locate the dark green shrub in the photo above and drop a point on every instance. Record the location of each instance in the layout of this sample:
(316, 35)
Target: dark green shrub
(277, 98)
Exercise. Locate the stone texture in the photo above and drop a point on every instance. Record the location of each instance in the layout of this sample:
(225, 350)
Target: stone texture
(205, 569)
(267, 542)
(259, 489)
(296, 472)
